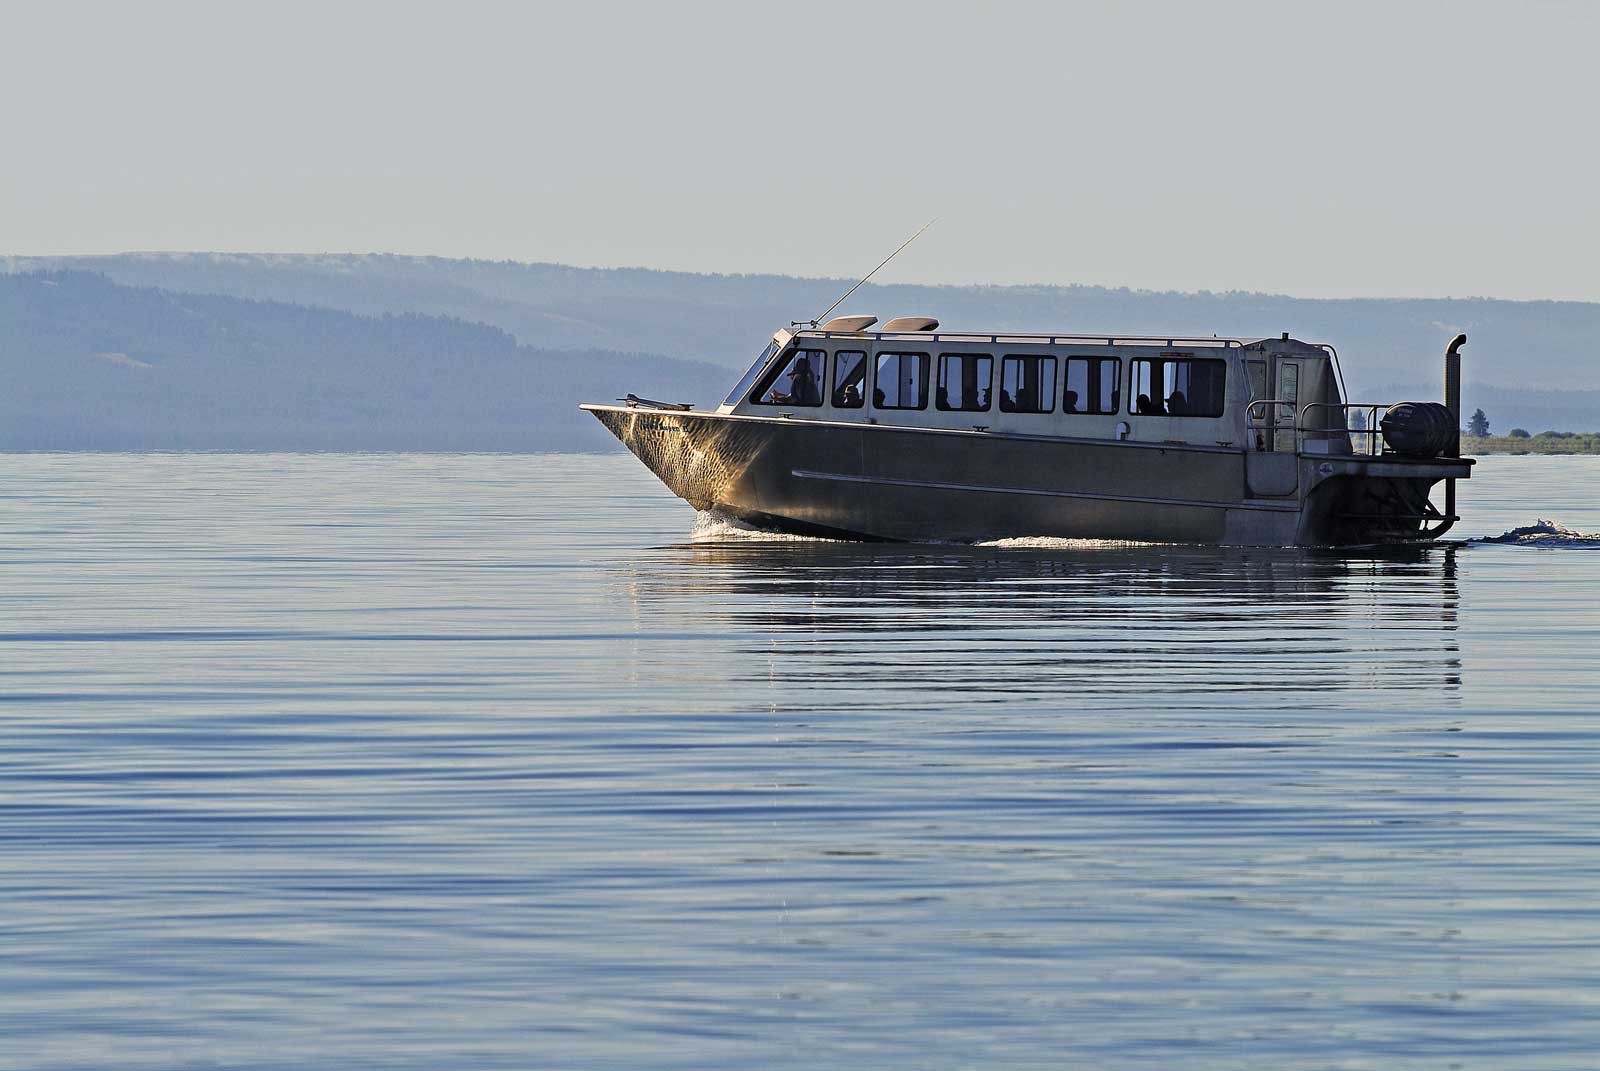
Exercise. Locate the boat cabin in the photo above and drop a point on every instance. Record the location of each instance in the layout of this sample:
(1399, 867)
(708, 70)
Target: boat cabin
(1219, 393)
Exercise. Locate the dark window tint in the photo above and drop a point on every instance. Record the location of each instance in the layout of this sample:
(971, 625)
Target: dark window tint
(796, 381)
(849, 379)
(901, 381)
(964, 382)
(1178, 386)
(1094, 385)
(1028, 384)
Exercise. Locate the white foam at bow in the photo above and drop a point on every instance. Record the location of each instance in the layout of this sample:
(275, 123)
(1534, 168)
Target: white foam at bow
(711, 526)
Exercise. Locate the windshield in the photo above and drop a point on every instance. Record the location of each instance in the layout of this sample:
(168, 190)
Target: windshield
(749, 379)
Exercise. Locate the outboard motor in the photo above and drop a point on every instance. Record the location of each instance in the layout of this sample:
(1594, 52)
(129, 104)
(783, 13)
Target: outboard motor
(1420, 429)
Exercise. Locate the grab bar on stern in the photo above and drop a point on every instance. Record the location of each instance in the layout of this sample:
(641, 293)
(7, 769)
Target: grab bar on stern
(1372, 431)
(1301, 425)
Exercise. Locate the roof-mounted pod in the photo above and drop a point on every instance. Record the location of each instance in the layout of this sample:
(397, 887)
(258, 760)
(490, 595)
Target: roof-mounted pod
(849, 325)
(911, 323)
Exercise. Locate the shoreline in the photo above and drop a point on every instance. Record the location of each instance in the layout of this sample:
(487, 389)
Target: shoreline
(1559, 443)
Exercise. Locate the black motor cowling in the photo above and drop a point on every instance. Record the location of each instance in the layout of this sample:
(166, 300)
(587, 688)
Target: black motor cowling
(1420, 429)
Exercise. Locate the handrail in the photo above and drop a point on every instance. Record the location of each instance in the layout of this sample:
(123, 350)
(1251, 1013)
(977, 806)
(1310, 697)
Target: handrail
(1372, 431)
(1301, 428)
(1026, 338)
(633, 401)
(1338, 372)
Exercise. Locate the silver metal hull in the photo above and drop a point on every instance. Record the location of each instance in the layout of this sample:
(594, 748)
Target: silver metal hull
(884, 482)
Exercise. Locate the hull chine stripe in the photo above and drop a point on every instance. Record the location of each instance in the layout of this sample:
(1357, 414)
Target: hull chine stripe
(1271, 507)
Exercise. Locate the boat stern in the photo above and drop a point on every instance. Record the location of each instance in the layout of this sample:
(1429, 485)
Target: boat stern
(1379, 499)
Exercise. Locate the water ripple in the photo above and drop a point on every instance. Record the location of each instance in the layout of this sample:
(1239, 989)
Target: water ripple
(501, 762)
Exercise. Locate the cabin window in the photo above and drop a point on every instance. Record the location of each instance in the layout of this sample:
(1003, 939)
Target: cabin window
(1289, 387)
(797, 381)
(965, 380)
(849, 379)
(1257, 371)
(1178, 386)
(1027, 384)
(1289, 397)
(750, 376)
(1094, 385)
(901, 381)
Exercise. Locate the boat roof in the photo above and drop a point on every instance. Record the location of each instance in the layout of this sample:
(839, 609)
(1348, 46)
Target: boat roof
(1035, 339)
(1054, 338)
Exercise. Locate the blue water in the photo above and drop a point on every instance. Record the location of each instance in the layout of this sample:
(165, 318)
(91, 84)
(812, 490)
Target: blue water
(499, 762)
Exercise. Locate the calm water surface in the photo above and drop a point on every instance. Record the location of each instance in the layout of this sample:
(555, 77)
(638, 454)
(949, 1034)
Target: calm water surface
(494, 762)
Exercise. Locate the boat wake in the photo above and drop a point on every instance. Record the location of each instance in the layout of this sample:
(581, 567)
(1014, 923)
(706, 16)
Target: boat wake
(1060, 543)
(710, 526)
(1543, 533)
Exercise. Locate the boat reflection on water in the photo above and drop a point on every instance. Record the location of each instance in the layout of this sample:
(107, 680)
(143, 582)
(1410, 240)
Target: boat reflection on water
(1146, 625)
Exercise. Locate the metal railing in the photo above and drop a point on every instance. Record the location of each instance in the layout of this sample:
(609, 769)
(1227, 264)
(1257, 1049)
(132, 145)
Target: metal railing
(1338, 372)
(1263, 426)
(1372, 433)
(1024, 339)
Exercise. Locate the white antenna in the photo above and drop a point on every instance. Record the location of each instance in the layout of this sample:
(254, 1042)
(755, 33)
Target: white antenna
(874, 271)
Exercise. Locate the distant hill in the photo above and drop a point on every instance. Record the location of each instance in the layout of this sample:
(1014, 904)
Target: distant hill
(86, 363)
(199, 350)
(725, 319)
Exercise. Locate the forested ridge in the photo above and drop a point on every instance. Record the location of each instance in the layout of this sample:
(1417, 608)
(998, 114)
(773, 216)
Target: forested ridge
(380, 351)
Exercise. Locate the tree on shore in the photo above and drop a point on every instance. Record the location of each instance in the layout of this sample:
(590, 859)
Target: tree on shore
(1478, 424)
(1519, 433)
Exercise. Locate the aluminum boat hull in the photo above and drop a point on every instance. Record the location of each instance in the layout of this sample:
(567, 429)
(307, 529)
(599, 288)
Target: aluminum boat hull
(888, 482)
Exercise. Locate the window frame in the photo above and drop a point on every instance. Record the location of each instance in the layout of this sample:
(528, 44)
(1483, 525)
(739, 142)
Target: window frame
(833, 382)
(742, 390)
(1166, 359)
(770, 380)
(986, 390)
(922, 394)
(1093, 378)
(1050, 396)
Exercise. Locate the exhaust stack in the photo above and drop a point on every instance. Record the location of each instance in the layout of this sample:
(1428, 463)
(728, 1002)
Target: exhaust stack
(1452, 385)
(1452, 402)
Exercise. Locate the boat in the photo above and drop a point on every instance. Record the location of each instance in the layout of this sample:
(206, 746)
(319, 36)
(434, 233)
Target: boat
(909, 433)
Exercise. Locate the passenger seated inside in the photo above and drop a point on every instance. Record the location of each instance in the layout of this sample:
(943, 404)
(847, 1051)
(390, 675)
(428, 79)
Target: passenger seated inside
(1069, 403)
(878, 397)
(1006, 404)
(941, 397)
(1145, 407)
(850, 397)
(1177, 404)
(802, 386)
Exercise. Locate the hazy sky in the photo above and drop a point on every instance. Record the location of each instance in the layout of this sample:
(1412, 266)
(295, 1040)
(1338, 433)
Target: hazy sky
(1317, 149)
